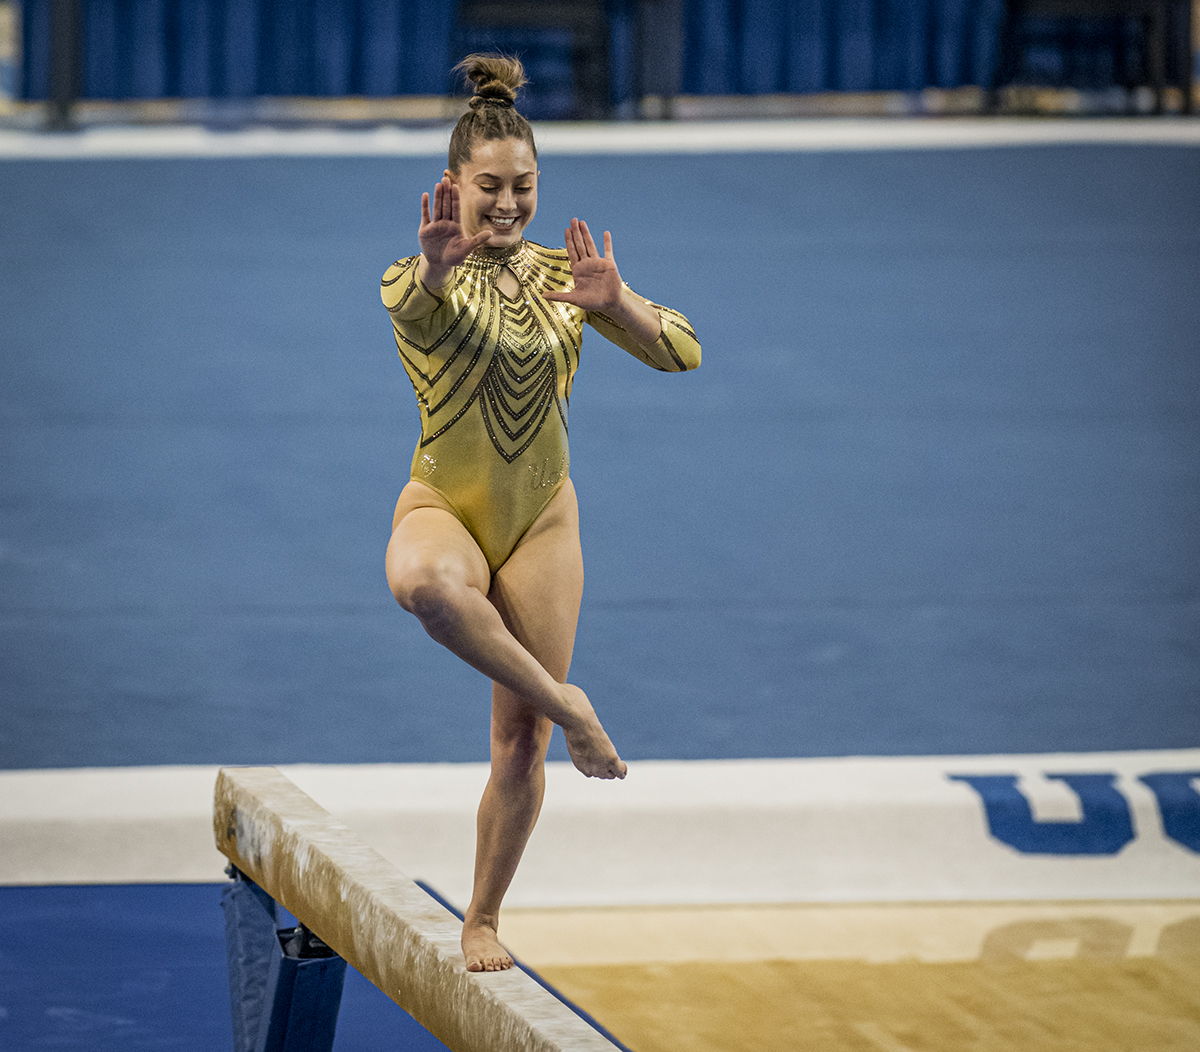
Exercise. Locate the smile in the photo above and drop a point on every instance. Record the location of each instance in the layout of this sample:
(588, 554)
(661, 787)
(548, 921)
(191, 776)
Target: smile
(503, 223)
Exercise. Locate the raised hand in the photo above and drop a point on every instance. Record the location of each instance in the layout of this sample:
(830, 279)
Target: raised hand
(443, 243)
(597, 283)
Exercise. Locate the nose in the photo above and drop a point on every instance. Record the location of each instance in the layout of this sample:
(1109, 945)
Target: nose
(507, 199)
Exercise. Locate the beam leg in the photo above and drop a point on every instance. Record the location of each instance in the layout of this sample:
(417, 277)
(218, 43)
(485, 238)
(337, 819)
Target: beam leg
(285, 986)
(304, 992)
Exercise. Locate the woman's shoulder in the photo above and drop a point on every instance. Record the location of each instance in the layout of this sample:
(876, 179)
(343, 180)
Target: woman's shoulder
(551, 265)
(398, 269)
(547, 258)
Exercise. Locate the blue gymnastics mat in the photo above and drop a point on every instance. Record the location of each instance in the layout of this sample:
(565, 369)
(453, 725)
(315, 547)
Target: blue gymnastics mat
(142, 966)
(934, 490)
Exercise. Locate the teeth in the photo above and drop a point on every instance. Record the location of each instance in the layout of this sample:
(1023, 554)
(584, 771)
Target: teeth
(503, 222)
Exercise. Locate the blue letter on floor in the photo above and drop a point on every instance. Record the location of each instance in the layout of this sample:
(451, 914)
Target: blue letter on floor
(1105, 828)
(1179, 805)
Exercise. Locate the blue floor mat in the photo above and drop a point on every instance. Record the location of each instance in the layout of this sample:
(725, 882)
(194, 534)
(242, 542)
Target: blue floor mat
(935, 489)
(121, 967)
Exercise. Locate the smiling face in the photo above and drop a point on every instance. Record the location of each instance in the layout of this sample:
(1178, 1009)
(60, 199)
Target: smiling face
(498, 190)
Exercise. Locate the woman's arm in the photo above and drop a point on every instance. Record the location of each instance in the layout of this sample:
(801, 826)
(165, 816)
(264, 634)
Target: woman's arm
(637, 317)
(661, 338)
(676, 350)
(406, 297)
(443, 245)
(410, 292)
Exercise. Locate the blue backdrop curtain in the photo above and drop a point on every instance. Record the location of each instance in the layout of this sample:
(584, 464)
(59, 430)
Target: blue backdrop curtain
(762, 46)
(240, 48)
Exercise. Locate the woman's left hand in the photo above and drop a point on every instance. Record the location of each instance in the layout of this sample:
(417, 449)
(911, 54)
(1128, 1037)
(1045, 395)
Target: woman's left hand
(598, 284)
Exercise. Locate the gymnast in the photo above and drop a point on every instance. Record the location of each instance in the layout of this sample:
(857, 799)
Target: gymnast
(485, 539)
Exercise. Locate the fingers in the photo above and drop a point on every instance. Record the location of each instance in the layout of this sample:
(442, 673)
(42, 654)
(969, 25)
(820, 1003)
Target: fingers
(445, 200)
(572, 248)
(579, 237)
(482, 238)
(589, 244)
(426, 218)
(580, 244)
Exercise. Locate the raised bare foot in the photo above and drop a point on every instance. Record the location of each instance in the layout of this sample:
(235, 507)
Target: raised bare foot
(481, 947)
(590, 748)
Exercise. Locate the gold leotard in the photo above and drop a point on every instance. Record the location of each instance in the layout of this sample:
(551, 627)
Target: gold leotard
(493, 377)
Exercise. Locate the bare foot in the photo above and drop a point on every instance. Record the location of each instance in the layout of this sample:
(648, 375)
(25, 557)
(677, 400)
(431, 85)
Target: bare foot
(590, 748)
(481, 947)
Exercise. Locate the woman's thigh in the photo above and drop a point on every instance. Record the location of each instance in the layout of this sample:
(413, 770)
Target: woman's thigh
(539, 588)
(428, 539)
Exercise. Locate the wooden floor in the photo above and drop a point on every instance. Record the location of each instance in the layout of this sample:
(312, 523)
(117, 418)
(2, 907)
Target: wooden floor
(1046, 977)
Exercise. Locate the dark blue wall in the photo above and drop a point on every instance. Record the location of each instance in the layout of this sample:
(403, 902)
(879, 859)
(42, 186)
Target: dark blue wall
(240, 48)
(763, 46)
(244, 48)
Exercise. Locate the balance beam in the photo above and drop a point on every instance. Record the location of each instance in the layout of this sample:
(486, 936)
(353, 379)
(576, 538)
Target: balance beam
(382, 923)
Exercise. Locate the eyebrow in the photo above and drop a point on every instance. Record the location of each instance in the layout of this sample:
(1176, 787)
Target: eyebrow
(500, 178)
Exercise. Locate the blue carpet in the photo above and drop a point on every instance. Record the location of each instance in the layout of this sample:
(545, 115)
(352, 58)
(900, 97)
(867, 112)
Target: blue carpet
(935, 489)
(123, 967)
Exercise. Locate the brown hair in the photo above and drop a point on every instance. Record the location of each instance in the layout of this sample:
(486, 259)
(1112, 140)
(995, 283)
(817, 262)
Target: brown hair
(497, 78)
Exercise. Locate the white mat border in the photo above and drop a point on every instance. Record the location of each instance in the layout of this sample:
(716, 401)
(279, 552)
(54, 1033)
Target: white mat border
(640, 137)
(865, 829)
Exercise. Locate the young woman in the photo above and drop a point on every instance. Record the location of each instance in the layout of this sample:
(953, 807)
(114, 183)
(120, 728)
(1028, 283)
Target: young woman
(485, 539)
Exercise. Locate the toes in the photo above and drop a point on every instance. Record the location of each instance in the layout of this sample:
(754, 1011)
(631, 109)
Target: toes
(492, 963)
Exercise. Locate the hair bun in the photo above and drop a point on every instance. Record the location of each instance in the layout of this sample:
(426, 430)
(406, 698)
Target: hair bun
(492, 116)
(493, 92)
(497, 78)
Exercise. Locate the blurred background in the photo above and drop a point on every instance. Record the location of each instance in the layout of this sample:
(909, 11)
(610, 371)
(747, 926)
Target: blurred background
(597, 59)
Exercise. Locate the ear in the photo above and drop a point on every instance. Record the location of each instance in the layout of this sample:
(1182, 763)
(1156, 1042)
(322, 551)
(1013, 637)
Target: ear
(447, 174)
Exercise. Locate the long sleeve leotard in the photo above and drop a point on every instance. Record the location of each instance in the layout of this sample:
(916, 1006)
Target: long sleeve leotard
(493, 374)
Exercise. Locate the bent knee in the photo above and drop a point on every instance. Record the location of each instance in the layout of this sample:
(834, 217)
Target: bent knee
(430, 593)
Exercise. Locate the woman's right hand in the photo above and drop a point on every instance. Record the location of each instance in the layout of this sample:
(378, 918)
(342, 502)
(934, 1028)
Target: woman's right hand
(443, 243)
